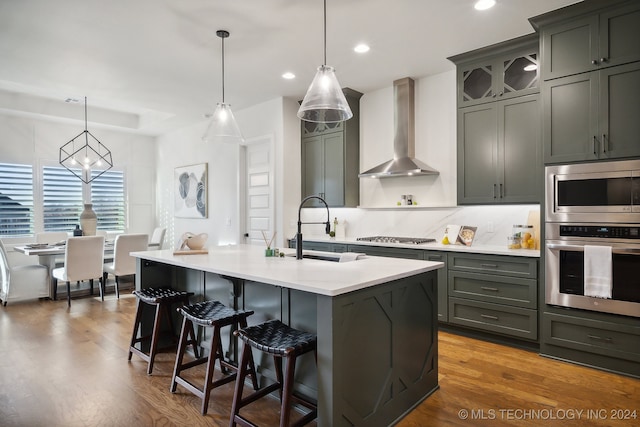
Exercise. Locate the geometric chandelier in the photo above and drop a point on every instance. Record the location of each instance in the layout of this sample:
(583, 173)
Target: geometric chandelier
(81, 156)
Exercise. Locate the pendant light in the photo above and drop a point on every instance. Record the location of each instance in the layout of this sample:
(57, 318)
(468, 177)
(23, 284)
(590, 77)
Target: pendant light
(223, 126)
(324, 101)
(87, 158)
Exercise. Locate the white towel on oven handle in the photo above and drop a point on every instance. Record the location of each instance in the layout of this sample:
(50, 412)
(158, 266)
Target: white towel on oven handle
(598, 271)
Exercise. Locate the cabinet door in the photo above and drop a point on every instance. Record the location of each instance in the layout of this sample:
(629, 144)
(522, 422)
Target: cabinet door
(520, 75)
(334, 168)
(570, 118)
(443, 303)
(619, 35)
(313, 156)
(569, 48)
(619, 106)
(477, 157)
(520, 149)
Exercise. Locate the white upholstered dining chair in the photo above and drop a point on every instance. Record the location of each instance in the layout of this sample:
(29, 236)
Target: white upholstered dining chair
(22, 282)
(124, 264)
(83, 260)
(51, 236)
(157, 238)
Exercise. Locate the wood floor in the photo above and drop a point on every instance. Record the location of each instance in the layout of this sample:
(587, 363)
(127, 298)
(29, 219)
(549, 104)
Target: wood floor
(68, 367)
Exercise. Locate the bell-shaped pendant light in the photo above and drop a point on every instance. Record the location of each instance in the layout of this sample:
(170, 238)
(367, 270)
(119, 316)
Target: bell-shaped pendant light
(223, 126)
(324, 101)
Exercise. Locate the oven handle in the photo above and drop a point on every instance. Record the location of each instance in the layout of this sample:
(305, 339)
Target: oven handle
(580, 248)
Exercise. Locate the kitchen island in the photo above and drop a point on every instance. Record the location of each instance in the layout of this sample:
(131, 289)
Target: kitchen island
(375, 319)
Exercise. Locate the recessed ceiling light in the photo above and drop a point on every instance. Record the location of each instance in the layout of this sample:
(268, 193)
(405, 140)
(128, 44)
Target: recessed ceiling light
(288, 76)
(484, 4)
(361, 48)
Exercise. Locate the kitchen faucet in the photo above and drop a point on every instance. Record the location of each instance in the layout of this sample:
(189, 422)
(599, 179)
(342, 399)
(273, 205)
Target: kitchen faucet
(299, 233)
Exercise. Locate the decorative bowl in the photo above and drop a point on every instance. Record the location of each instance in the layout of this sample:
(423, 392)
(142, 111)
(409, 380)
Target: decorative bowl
(193, 241)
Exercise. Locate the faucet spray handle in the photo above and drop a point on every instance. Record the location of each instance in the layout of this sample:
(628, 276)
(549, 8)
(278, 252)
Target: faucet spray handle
(327, 227)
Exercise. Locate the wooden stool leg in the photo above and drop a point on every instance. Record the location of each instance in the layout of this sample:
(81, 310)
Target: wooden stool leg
(285, 410)
(136, 325)
(215, 353)
(154, 336)
(242, 373)
(182, 346)
(277, 362)
(252, 365)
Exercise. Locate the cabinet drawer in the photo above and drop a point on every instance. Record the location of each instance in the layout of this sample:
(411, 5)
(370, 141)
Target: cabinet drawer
(593, 336)
(512, 291)
(514, 321)
(389, 252)
(323, 246)
(501, 265)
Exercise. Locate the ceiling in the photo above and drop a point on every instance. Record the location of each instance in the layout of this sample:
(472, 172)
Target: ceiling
(152, 66)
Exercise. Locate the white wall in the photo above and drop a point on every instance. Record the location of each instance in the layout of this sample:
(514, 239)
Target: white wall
(275, 118)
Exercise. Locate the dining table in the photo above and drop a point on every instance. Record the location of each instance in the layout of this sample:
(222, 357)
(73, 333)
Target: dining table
(47, 254)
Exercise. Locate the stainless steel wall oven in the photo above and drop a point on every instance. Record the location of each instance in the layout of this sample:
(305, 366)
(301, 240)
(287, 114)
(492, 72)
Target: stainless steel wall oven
(591, 207)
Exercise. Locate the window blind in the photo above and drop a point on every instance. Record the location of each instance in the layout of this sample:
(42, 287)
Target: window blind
(107, 195)
(62, 199)
(16, 199)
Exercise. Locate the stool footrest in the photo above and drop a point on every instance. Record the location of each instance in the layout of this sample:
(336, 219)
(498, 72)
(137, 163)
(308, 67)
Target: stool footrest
(258, 394)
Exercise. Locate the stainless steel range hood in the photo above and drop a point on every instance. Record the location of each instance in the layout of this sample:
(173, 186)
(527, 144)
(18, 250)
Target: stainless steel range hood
(403, 163)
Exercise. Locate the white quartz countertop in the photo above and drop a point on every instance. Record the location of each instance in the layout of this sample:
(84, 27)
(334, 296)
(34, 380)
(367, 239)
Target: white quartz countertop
(435, 246)
(310, 275)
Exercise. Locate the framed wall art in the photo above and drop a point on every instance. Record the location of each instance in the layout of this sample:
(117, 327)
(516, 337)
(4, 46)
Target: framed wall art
(190, 191)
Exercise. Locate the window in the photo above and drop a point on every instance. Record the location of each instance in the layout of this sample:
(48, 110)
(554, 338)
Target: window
(107, 195)
(62, 199)
(16, 199)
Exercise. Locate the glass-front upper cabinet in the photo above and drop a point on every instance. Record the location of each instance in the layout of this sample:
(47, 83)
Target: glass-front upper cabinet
(497, 72)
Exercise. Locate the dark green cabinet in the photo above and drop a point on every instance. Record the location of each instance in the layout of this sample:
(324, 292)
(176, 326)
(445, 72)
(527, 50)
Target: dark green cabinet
(592, 116)
(499, 152)
(589, 40)
(494, 293)
(331, 159)
(499, 149)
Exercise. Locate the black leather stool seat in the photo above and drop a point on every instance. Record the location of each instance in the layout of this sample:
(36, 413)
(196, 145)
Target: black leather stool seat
(163, 298)
(208, 313)
(216, 315)
(163, 294)
(275, 337)
(283, 342)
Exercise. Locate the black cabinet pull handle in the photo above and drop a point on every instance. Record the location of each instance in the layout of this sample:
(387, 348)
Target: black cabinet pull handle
(501, 193)
(494, 191)
(486, 316)
(594, 61)
(489, 265)
(603, 59)
(594, 145)
(487, 288)
(604, 143)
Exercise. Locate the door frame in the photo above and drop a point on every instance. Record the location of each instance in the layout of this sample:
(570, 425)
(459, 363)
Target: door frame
(242, 182)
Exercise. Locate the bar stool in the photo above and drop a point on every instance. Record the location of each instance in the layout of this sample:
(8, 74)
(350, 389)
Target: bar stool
(209, 314)
(162, 298)
(281, 341)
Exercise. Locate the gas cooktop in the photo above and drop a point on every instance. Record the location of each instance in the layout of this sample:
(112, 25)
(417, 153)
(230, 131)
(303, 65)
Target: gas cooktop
(391, 239)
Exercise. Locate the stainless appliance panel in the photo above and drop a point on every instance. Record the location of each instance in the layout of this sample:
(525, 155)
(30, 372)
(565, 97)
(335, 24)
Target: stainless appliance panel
(564, 264)
(586, 192)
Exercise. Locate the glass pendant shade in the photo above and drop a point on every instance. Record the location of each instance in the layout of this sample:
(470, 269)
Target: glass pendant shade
(222, 126)
(325, 102)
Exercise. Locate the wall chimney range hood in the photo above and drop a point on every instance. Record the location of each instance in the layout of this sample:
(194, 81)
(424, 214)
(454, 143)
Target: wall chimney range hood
(403, 163)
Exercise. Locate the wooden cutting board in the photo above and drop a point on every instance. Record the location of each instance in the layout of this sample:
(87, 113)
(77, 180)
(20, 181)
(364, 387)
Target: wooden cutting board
(191, 252)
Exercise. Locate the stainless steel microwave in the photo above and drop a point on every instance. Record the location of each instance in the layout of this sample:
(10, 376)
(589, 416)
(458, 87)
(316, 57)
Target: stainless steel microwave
(593, 192)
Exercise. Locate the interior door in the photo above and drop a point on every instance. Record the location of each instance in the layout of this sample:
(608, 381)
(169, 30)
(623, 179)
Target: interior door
(259, 197)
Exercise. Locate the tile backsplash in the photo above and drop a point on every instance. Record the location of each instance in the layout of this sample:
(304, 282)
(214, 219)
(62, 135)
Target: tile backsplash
(494, 223)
